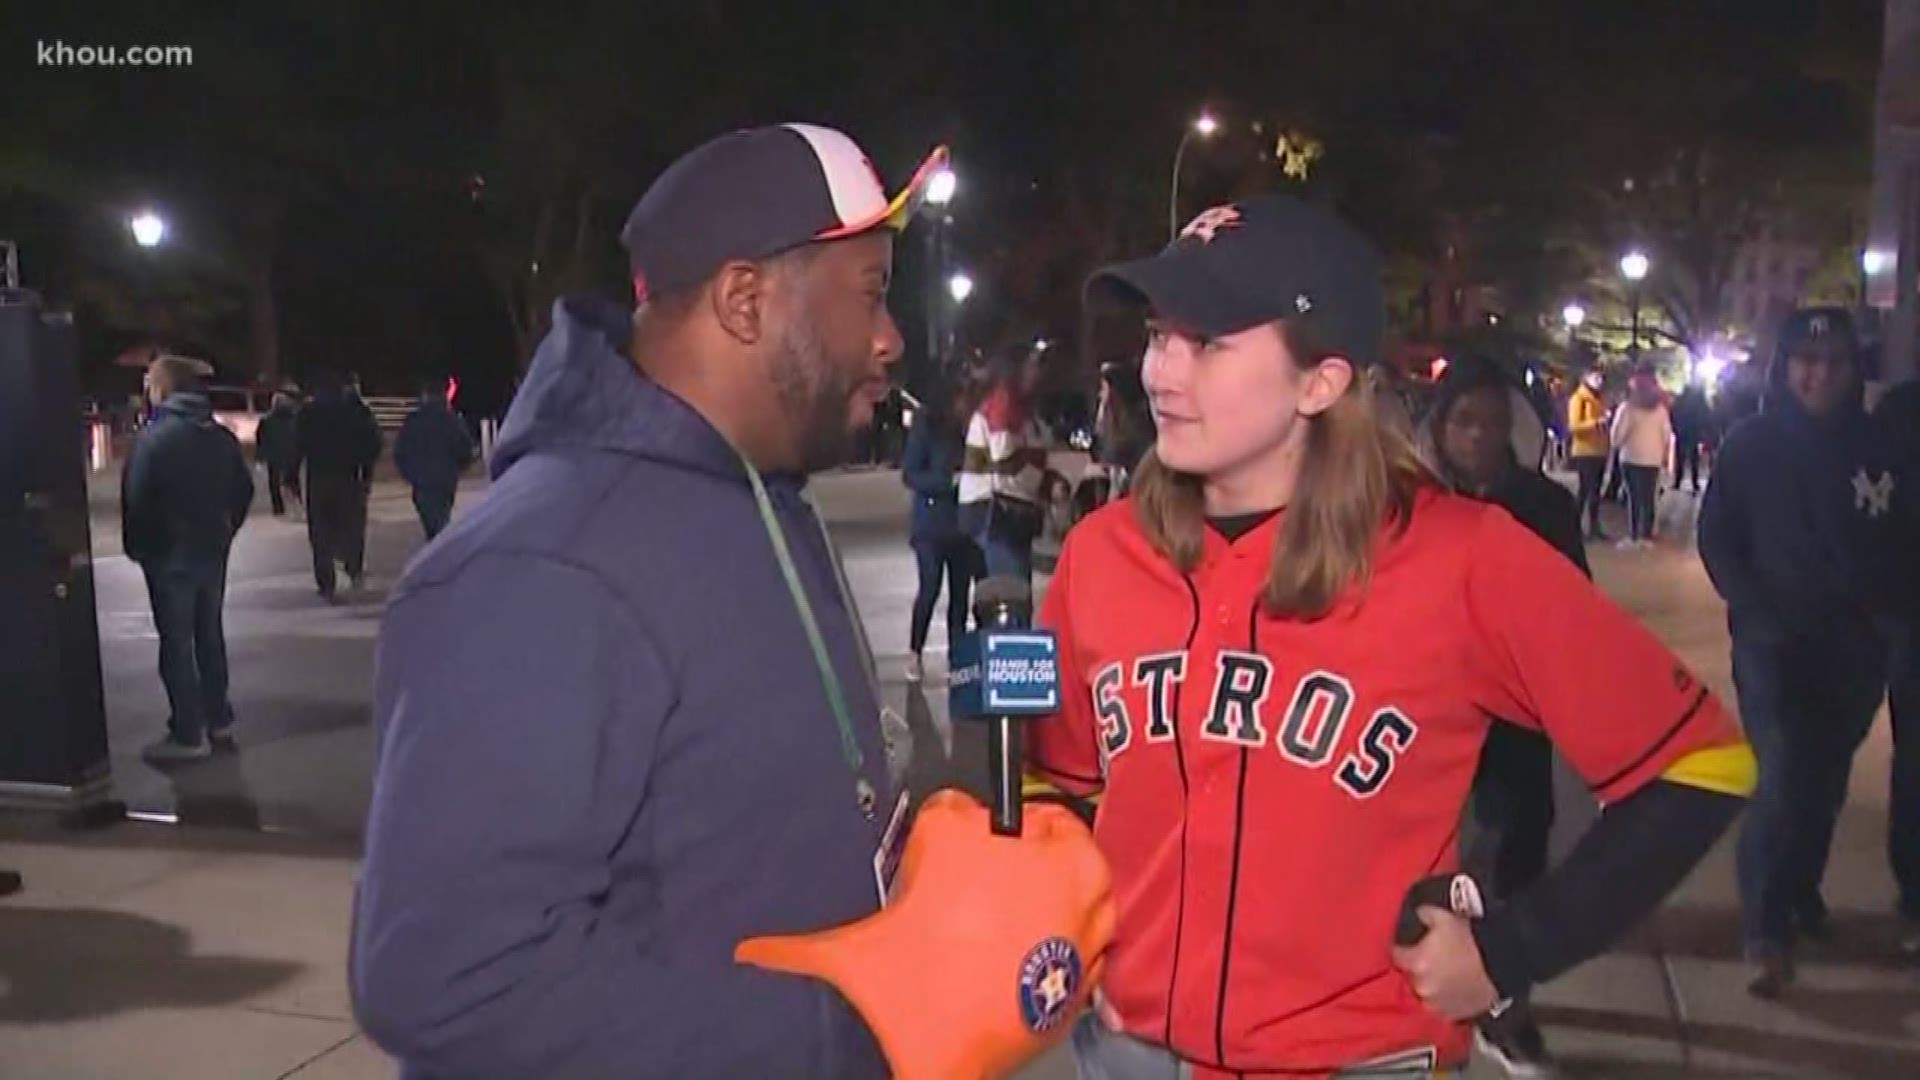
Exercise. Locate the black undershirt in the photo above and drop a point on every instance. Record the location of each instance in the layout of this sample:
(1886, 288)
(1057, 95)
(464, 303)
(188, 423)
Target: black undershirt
(1235, 526)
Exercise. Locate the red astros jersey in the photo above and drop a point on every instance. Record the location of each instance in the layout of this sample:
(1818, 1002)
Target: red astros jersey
(1271, 787)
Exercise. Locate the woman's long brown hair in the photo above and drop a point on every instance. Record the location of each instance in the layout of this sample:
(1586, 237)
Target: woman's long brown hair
(1359, 474)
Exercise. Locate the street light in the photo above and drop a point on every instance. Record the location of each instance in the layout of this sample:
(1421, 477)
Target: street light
(940, 187)
(1041, 345)
(1634, 267)
(1573, 315)
(148, 228)
(940, 191)
(1873, 260)
(1204, 126)
(960, 286)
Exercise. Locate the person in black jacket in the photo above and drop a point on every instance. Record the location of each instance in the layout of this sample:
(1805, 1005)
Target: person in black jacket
(930, 468)
(184, 495)
(1897, 427)
(1692, 429)
(1797, 531)
(276, 444)
(1487, 440)
(431, 451)
(339, 442)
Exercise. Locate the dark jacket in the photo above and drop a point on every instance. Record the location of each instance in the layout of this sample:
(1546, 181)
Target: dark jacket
(1798, 525)
(276, 440)
(1896, 422)
(433, 447)
(1692, 415)
(186, 489)
(1545, 507)
(605, 756)
(338, 436)
(930, 467)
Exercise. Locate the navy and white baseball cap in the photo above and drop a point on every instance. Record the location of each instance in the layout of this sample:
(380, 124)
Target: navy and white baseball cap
(755, 193)
(1258, 261)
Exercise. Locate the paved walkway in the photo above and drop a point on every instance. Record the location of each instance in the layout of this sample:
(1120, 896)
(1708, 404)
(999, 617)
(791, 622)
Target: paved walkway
(159, 952)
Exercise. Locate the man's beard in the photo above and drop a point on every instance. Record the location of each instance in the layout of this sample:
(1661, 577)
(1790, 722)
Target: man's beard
(815, 393)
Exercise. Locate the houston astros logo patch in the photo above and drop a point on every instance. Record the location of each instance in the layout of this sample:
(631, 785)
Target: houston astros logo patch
(1049, 978)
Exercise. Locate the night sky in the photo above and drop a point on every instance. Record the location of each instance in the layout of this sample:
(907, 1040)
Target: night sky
(325, 155)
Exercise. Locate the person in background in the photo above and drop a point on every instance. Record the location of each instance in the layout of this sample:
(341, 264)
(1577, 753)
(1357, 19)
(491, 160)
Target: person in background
(1588, 446)
(276, 444)
(1692, 431)
(185, 493)
(431, 451)
(1123, 422)
(1643, 436)
(339, 442)
(1485, 438)
(1897, 427)
(1002, 468)
(1796, 531)
(930, 468)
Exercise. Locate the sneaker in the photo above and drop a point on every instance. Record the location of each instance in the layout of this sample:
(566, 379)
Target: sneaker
(171, 751)
(915, 669)
(10, 882)
(1512, 1041)
(1627, 545)
(221, 735)
(1909, 939)
(1772, 974)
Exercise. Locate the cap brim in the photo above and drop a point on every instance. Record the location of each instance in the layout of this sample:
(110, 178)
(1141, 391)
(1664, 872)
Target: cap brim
(901, 208)
(1181, 289)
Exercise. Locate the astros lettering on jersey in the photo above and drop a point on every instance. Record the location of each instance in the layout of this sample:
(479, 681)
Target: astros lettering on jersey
(1269, 788)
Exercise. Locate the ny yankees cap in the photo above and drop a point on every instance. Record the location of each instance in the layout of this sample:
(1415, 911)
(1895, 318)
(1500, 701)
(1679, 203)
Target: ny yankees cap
(1257, 261)
(755, 193)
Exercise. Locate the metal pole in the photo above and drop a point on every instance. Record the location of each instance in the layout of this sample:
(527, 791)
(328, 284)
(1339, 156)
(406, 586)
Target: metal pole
(12, 270)
(1173, 196)
(1897, 359)
(1633, 347)
(933, 293)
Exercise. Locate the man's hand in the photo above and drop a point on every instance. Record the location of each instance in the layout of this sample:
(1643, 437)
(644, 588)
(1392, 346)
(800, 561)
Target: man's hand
(1445, 967)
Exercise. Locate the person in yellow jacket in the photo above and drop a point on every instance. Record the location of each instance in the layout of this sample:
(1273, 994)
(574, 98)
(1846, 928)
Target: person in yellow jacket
(1588, 446)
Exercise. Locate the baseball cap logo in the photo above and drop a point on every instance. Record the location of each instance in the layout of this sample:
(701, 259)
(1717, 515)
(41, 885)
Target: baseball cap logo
(1210, 222)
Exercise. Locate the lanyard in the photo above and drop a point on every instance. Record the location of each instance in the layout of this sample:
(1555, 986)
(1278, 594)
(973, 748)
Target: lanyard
(863, 793)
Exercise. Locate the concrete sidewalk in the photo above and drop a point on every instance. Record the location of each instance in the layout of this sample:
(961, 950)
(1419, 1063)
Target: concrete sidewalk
(163, 952)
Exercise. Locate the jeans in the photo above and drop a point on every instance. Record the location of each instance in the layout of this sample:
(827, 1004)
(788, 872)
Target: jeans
(1005, 555)
(1805, 705)
(955, 558)
(1903, 802)
(1592, 470)
(336, 526)
(1101, 1054)
(435, 507)
(187, 600)
(1686, 450)
(1641, 482)
(281, 482)
(1513, 809)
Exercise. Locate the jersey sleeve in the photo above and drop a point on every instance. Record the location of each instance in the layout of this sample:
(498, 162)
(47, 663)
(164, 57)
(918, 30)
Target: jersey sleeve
(1550, 651)
(1063, 749)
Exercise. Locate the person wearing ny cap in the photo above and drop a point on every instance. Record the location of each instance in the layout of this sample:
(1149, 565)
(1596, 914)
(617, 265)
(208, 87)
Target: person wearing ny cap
(1280, 656)
(633, 813)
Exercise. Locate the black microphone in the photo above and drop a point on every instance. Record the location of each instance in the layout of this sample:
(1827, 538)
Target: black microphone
(1003, 604)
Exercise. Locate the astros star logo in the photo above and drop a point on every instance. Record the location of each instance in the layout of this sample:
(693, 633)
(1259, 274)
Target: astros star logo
(1873, 496)
(1210, 222)
(1053, 990)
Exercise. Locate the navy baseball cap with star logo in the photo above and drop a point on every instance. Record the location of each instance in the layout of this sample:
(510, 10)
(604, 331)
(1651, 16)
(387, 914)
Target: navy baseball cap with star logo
(1258, 261)
(756, 193)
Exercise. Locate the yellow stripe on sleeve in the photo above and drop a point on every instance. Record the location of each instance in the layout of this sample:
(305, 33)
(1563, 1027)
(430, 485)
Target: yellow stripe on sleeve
(1032, 786)
(1728, 770)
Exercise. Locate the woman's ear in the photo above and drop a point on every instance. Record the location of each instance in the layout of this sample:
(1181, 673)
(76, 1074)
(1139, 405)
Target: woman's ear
(1325, 384)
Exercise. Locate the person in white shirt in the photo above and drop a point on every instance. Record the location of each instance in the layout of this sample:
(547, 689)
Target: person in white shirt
(1643, 434)
(1002, 468)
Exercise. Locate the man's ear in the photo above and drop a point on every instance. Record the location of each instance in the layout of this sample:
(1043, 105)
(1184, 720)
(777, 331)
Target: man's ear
(1325, 384)
(738, 295)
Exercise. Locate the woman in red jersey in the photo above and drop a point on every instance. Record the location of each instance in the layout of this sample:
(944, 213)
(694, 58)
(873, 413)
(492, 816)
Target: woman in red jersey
(1280, 656)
